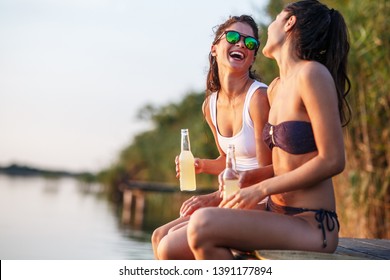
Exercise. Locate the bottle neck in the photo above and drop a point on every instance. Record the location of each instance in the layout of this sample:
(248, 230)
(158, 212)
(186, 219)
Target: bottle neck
(185, 142)
(230, 159)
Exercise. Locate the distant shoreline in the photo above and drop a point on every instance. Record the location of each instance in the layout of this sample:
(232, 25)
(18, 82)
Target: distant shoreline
(22, 170)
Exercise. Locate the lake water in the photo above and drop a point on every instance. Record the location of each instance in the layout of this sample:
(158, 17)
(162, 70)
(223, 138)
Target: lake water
(62, 219)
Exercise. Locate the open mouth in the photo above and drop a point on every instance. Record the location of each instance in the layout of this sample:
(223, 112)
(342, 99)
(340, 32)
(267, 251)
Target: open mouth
(237, 55)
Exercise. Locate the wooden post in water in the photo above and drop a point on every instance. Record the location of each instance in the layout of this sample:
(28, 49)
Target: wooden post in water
(139, 206)
(127, 205)
(134, 203)
(133, 207)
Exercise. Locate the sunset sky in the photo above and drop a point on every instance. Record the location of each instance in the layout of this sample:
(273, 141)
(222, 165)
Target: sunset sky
(73, 74)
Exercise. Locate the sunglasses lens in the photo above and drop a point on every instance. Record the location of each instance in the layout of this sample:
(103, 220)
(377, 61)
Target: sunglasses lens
(232, 37)
(251, 43)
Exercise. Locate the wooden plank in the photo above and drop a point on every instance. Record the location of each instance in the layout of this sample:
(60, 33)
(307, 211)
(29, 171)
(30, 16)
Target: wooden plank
(348, 249)
(374, 249)
(301, 255)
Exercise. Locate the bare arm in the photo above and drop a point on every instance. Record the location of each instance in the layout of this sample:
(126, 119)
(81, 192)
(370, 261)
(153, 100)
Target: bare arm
(259, 111)
(211, 166)
(208, 166)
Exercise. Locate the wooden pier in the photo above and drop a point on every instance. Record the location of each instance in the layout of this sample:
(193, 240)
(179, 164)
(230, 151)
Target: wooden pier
(134, 194)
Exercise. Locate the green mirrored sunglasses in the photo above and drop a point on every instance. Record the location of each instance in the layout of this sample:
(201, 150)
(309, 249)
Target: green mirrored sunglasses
(234, 37)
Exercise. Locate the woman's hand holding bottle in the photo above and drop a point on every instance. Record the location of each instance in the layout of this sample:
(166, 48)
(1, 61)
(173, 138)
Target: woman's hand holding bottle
(197, 163)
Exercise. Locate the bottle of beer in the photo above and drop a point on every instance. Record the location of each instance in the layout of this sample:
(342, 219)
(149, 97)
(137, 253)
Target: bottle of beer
(230, 175)
(186, 164)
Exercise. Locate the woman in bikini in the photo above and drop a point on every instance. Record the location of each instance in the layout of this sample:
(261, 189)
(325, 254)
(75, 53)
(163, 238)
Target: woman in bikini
(236, 109)
(304, 131)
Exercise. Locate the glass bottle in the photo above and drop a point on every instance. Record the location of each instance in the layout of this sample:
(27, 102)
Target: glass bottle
(230, 175)
(186, 164)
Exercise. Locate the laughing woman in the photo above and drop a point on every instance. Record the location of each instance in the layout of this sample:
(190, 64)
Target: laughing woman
(304, 131)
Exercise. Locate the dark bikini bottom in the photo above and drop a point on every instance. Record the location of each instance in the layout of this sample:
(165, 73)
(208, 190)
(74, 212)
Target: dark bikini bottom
(321, 215)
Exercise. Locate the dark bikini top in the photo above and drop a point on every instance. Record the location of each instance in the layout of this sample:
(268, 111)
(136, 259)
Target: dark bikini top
(294, 137)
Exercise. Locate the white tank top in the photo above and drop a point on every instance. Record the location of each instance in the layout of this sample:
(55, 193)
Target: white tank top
(244, 141)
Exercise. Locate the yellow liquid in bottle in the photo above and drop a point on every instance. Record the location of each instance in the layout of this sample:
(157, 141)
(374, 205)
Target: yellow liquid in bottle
(187, 171)
(230, 187)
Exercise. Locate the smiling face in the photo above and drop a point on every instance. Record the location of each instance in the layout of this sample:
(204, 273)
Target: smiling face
(234, 56)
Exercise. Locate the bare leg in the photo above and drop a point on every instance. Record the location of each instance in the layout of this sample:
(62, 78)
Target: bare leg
(174, 246)
(212, 231)
(160, 232)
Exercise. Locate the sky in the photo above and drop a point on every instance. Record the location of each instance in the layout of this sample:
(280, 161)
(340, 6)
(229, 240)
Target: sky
(74, 73)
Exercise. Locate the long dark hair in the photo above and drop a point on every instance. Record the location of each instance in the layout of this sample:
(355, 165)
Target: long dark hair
(213, 84)
(321, 34)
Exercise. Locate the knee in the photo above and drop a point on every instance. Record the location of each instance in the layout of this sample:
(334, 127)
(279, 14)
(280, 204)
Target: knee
(162, 250)
(161, 244)
(166, 250)
(200, 228)
(157, 235)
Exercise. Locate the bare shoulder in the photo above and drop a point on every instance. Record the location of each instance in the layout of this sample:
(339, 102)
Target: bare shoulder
(205, 105)
(259, 102)
(206, 110)
(316, 82)
(260, 94)
(311, 71)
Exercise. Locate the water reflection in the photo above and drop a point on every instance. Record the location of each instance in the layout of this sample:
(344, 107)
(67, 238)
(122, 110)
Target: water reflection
(46, 218)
